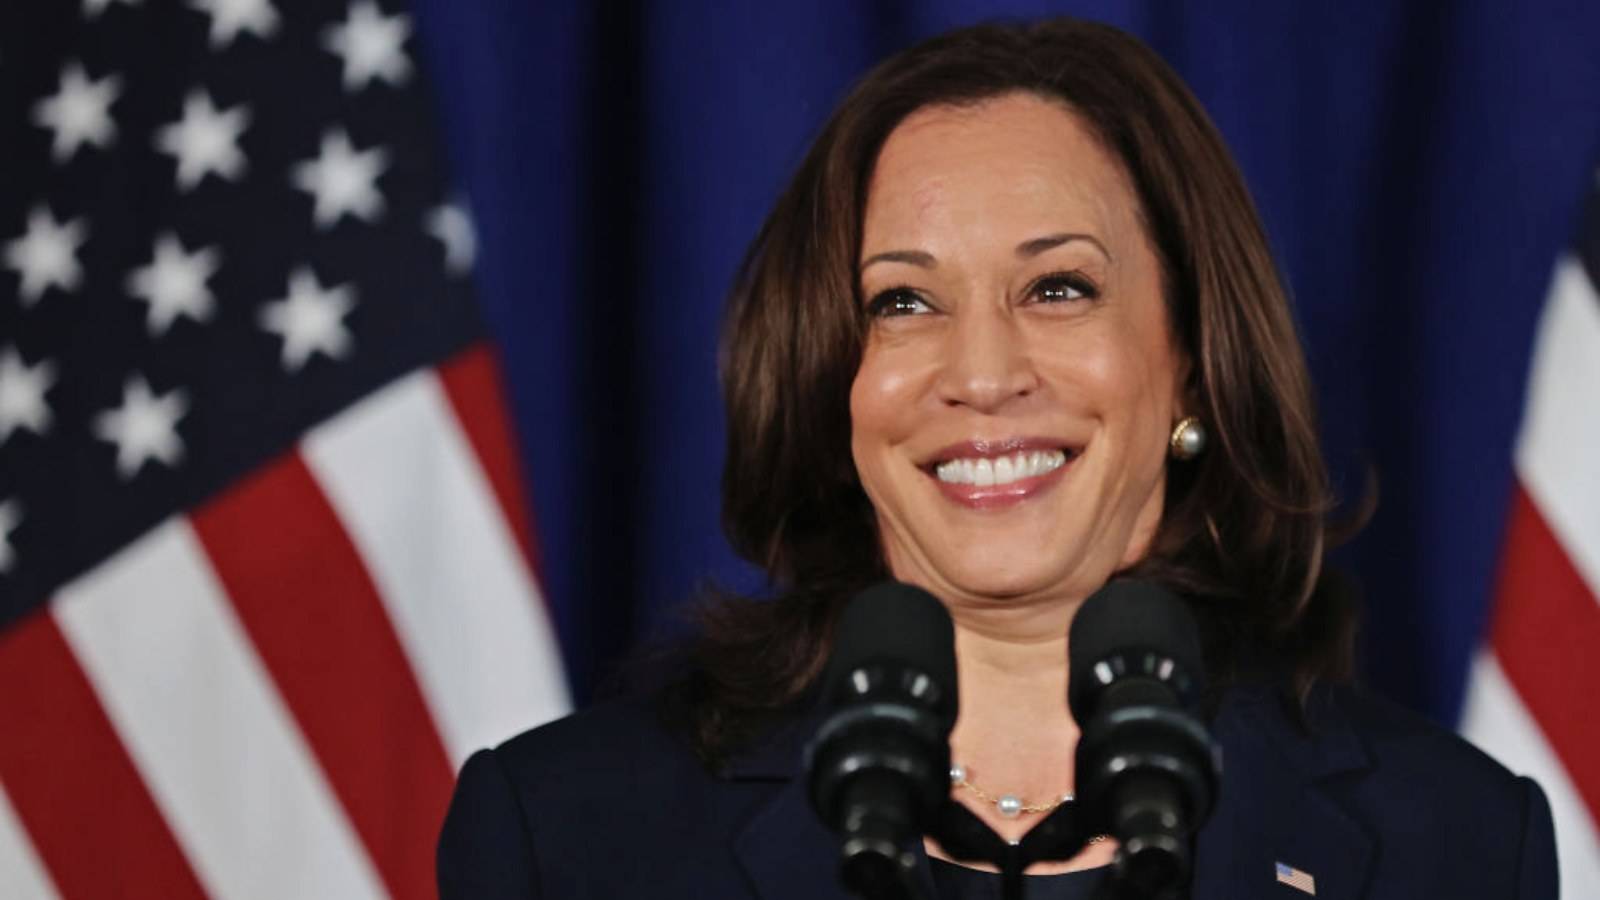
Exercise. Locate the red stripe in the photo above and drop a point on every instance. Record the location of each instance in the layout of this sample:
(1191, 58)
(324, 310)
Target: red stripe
(472, 382)
(88, 812)
(1546, 634)
(314, 615)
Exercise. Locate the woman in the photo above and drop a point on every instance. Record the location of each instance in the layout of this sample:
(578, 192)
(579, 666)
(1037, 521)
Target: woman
(1012, 329)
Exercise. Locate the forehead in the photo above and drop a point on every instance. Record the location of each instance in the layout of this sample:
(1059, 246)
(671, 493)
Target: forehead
(1014, 163)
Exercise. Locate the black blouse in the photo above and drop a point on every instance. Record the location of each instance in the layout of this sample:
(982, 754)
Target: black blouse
(957, 882)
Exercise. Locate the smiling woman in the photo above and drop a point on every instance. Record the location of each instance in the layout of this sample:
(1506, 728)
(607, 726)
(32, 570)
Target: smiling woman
(1012, 330)
(1042, 330)
(1005, 240)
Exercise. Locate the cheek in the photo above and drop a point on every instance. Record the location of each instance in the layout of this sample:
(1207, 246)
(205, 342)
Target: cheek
(871, 419)
(1106, 372)
(882, 399)
(1121, 374)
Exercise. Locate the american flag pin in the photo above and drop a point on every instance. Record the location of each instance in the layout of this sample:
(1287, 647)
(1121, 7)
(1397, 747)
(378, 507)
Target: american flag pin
(1300, 881)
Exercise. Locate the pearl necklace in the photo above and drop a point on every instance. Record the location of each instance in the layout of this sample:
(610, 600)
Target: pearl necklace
(1010, 806)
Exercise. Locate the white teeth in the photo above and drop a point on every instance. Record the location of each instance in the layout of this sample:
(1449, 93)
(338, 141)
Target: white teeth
(985, 471)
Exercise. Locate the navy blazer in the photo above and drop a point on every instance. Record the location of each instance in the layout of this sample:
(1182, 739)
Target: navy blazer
(1376, 803)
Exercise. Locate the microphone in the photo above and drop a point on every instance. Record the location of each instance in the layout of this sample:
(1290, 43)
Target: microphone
(878, 768)
(1146, 767)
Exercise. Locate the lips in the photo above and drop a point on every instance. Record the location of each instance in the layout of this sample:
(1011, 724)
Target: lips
(990, 474)
(994, 449)
(984, 471)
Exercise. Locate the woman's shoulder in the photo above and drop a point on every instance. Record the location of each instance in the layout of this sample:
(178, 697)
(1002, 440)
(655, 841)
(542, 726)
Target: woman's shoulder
(608, 733)
(596, 752)
(1348, 726)
(628, 754)
(551, 806)
(1403, 741)
(1358, 790)
(612, 756)
(1405, 774)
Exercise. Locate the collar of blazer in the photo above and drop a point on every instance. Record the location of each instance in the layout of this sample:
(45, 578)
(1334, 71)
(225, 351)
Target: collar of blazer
(1278, 804)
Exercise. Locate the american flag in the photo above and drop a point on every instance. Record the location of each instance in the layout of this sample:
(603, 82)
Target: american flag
(1300, 881)
(266, 577)
(1532, 701)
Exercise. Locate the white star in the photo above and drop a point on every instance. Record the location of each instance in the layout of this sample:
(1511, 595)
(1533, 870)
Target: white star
(22, 390)
(174, 284)
(145, 427)
(310, 319)
(370, 46)
(343, 181)
(79, 113)
(229, 17)
(47, 255)
(205, 140)
(10, 517)
(450, 223)
(93, 8)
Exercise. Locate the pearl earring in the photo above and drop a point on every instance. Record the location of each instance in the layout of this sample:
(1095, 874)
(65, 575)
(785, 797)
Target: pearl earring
(1188, 439)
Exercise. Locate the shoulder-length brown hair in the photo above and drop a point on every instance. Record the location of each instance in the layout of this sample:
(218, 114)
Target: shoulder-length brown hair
(1245, 526)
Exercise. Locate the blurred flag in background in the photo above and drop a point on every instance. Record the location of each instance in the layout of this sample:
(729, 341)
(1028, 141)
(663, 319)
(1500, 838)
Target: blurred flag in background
(1532, 699)
(266, 575)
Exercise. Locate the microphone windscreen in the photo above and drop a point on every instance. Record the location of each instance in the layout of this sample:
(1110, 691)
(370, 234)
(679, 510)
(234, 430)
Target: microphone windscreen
(896, 624)
(1128, 615)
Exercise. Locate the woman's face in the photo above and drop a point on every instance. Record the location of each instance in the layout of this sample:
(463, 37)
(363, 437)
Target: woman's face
(1019, 381)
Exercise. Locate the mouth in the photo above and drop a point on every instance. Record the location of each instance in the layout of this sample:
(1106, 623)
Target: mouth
(986, 472)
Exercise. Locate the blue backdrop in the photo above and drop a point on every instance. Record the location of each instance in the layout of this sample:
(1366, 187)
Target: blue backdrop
(1419, 167)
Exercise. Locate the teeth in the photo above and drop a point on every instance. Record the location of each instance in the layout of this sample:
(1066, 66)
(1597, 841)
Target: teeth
(984, 471)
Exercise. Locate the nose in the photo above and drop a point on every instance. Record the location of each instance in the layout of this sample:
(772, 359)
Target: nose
(986, 362)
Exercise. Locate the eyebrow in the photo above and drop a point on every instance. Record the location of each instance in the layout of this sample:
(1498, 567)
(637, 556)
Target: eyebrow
(917, 258)
(1030, 249)
(1025, 250)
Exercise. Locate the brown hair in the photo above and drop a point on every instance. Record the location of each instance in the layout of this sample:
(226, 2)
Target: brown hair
(1245, 527)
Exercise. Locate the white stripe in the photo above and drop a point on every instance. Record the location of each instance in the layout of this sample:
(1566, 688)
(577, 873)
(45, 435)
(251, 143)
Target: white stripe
(1560, 439)
(197, 711)
(22, 876)
(1500, 725)
(415, 500)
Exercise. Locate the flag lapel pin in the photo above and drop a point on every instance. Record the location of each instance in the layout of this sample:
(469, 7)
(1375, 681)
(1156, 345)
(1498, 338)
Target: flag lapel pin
(1300, 881)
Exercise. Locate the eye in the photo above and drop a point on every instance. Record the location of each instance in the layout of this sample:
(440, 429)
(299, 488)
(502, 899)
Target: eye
(898, 301)
(1061, 287)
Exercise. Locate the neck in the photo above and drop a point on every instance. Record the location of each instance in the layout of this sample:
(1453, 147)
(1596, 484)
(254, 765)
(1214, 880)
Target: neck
(1015, 735)
(1014, 732)
(1014, 657)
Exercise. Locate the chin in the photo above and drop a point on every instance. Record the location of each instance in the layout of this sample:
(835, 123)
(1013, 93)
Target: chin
(1006, 576)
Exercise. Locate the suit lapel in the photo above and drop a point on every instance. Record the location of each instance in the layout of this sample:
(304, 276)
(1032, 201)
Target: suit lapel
(1279, 804)
(786, 854)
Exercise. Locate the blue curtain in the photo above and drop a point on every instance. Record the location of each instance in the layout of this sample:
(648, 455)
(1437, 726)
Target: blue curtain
(1419, 167)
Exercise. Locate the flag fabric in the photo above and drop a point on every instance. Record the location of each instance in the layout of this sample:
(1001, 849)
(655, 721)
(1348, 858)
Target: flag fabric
(266, 575)
(1532, 697)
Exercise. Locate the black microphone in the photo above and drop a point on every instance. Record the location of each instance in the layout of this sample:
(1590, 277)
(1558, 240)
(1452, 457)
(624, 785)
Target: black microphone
(1147, 769)
(878, 768)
